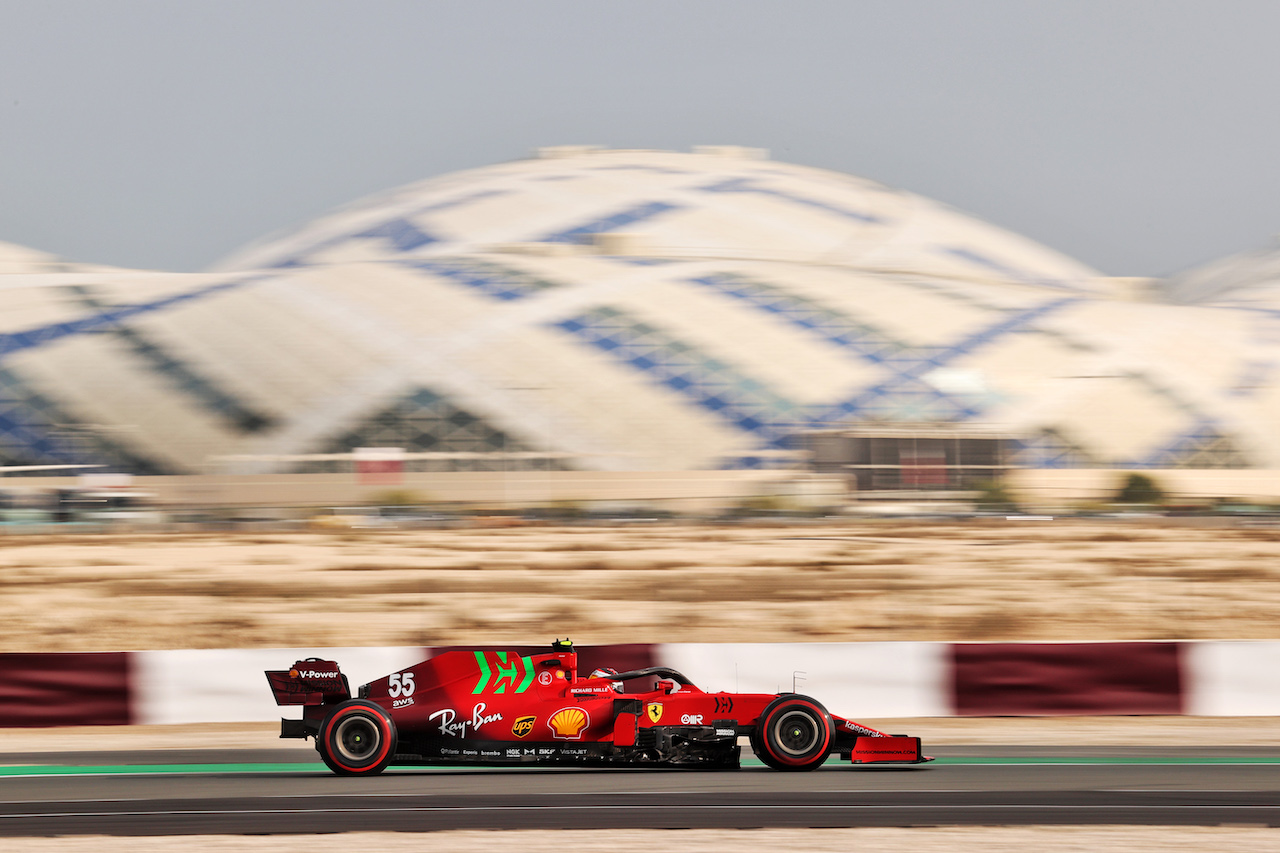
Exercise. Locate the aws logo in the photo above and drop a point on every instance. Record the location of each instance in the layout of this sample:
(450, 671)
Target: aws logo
(523, 725)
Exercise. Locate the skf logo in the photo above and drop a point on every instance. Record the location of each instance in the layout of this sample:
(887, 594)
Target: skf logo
(523, 725)
(568, 723)
(655, 711)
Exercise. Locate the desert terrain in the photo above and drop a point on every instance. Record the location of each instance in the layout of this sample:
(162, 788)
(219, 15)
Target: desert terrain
(817, 582)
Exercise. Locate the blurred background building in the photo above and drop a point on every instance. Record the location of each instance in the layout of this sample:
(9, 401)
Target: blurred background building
(595, 324)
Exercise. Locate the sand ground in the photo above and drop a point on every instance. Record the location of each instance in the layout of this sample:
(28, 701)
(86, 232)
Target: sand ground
(837, 582)
(1055, 839)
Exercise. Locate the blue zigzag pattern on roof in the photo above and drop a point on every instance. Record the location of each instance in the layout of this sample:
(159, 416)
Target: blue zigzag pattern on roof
(749, 405)
(401, 234)
(863, 339)
(746, 185)
(28, 435)
(1048, 449)
(709, 383)
(181, 375)
(1254, 376)
(33, 431)
(490, 279)
(13, 342)
(1003, 269)
(910, 368)
(1203, 433)
(612, 222)
(904, 394)
(27, 423)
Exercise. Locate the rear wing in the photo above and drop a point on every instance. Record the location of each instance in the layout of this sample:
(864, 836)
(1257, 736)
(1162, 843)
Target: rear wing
(309, 682)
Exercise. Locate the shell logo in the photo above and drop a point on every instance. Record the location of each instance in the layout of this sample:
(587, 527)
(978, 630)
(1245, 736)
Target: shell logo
(568, 723)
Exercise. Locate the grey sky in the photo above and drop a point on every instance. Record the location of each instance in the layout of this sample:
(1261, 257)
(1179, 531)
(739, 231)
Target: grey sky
(1140, 137)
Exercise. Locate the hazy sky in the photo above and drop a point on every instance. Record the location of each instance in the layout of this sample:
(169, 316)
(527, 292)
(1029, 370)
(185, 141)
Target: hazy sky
(1140, 137)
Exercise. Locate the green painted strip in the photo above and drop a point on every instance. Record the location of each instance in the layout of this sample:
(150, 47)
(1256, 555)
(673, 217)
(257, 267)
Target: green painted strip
(140, 769)
(484, 673)
(528, 675)
(747, 761)
(1113, 759)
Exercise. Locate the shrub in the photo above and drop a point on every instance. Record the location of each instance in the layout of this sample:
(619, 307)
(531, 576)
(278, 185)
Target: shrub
(1140, 489)
(993, 494)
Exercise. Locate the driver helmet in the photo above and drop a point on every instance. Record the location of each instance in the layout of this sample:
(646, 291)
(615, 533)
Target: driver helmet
(607, 672)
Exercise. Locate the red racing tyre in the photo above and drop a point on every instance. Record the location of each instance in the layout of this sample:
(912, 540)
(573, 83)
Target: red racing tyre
(793, 733)
(358, 738)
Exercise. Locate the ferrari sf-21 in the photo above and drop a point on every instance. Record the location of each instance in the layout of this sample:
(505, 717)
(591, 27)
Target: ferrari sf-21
(504, 708)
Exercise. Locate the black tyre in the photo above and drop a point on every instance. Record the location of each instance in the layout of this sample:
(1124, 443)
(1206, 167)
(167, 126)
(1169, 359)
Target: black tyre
(358, 738)
(793, 733)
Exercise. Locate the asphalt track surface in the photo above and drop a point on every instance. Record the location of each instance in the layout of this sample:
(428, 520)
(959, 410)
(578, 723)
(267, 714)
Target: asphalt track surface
(279, 791)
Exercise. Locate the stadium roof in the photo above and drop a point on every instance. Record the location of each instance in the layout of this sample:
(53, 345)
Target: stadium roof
(622, 310)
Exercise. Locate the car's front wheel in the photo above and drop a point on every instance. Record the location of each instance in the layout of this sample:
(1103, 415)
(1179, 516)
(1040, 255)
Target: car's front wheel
(358, 738)
(793, 733)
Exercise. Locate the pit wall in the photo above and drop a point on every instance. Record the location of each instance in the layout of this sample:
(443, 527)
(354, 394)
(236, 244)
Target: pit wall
(862, 680)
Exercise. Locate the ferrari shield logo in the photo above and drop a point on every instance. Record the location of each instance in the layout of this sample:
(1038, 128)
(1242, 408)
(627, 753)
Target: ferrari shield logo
(655, 711)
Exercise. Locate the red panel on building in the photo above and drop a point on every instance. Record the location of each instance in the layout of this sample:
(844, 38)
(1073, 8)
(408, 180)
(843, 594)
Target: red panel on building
(1033, 679)
(379, 466)
(923, 469)
(70, 689)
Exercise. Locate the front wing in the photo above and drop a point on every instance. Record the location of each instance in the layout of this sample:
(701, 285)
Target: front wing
(887, 749)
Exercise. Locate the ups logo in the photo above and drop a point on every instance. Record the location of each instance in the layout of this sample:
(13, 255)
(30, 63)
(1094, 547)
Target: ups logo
(523, 725)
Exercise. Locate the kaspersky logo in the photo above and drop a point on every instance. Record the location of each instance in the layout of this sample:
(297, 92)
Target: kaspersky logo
(655, 711)
(523, 725)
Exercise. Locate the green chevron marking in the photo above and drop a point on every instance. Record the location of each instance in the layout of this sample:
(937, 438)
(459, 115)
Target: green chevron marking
(528, 675)
(505, 673)
(484, 673)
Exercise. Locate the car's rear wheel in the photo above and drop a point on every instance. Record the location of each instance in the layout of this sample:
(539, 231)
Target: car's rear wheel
(793, 733)
(358, 738)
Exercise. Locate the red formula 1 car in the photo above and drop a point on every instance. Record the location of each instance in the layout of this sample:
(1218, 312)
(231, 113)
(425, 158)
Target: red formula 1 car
(486, 707)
